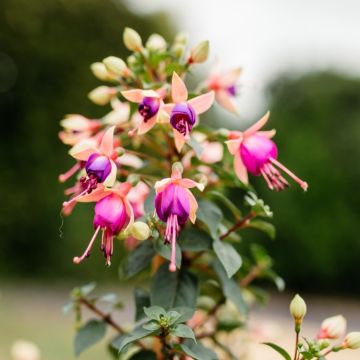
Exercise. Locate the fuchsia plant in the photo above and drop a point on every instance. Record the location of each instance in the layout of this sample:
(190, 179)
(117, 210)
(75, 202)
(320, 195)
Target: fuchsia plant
(150, 158)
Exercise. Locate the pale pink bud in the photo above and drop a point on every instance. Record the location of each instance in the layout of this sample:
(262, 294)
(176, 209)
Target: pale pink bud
(24, 350)
(156, 43)
(116, 65)
(102, 95)
(352, 341)
(332, 327)
(99, 70)
(132, 40)
(199, 53)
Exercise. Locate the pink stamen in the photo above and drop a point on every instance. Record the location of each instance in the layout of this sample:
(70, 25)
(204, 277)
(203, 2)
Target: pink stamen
(302, 183)
(269, 184)
(72, 200)
(175, 228)
(70, 172)
(187, 131)
(277, 174)
(78, 260)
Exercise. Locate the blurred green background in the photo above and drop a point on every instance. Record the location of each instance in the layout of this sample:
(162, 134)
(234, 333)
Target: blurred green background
(46, 48)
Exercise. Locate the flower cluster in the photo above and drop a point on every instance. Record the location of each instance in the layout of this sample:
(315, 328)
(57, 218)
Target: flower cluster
(149, 134)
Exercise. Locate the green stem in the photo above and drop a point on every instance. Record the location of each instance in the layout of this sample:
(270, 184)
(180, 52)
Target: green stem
(296, 344)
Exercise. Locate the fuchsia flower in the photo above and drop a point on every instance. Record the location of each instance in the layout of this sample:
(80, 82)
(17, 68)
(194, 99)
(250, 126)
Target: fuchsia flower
(113, 213)
(175, 204)
(254, 152)
(99, 163)
(224, 86)
(150, 104)
(183, 113)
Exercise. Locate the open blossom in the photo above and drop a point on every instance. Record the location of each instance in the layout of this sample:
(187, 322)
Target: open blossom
(113, 213)
(332, 327)
(99, 162)
(175, 204)
(255, 152)
(183, 112)
(225, 87)
(77, 127)
(150, 105)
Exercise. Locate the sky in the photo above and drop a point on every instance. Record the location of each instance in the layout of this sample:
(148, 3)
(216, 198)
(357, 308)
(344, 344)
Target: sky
(269, 37)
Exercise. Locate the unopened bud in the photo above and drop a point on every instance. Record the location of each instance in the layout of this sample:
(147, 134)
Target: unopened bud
(102, 95)
(199, 53)
(24, 350)
(156, 43)
(99, 70)
(132, 40)
(298, 310)
(181, 38)
(116, 65)
(332, 327)
(323, 344)
(178, 50)
(140, 230)
(132, 60)
(352, 340)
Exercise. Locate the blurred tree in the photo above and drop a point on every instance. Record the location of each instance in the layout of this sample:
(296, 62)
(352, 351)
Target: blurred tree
(46, 48)
(317, 119)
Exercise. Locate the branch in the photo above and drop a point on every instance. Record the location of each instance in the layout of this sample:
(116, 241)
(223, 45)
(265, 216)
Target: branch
(239, 224)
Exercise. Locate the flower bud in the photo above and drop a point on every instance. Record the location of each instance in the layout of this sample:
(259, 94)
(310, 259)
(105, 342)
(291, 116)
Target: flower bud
(132, 40)
(298, 309)
(332, 327)
(156, 43)
(199, 53)
(140, 230)
(102, 95)
(24, 350)
(352, 341)
(116, 66)
(181, 38)
(99, 70)
(178, 49)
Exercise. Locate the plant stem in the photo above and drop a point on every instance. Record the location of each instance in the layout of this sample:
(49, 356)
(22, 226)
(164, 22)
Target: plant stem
(251, 276)
(296, 344)
(239, 224)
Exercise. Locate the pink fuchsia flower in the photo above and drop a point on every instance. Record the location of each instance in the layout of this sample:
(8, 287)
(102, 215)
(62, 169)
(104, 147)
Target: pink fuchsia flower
(255, 152)
(183, 112)
(175, 204)
(225, 87)
(150, 104)
(113, 214)
(99, 162)
(76, 128)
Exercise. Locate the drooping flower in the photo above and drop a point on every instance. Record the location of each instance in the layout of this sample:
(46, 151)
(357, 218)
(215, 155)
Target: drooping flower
(225, 87)
(175, 204)
(150, 105)
(113, 214)
(99, 162)
(183, 112)
(255, 152)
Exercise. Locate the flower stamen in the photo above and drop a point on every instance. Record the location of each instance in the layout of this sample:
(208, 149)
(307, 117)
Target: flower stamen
(77, 259)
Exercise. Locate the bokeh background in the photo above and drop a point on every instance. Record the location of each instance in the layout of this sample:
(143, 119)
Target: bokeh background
(300, 59)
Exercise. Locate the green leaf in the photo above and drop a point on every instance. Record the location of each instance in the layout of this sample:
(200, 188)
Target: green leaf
(231, 289)
(109, 298)
(165, 251)
(172, 317)
(227, 202)
(154, 312)
(152, 325)
(258, 205)
(228, 256)
(197, 351)
(186, 313)
(137, 334)
(267, 228)
(210, 215)
(170, 289)
(68, 307)
(183, 331)
(89, 334)
(139, 258)
(142, 299)
(144, 355)
(279, 349)
(193, 239)
(196, 146)
(88, 288)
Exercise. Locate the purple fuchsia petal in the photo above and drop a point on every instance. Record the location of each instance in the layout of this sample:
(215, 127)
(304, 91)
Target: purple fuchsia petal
(98, 166)
(110, 213)
(255, 151)
(183, 118)
(148, 107)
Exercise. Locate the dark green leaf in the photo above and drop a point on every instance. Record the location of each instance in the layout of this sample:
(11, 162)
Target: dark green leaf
(142, 299)
(89, 334)
(165, 251)
(151, 325)
(228, 256)
(137, 334)
(197, 351)
(279, 349)
(264, 226)
(186, 313)
(170, 289)
(227, 202)
(183, 331)
(172, 317)
(154, 312)
(139, 258)
(230, 288)
(193, 239)
(210, 215)
(144, 355)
